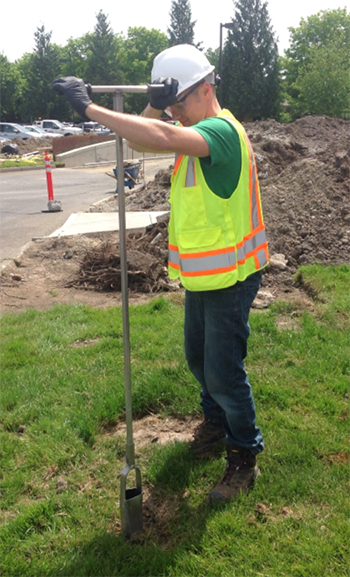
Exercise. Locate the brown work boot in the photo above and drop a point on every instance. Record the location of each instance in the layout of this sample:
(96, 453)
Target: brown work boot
(240, 474)
(207, 434)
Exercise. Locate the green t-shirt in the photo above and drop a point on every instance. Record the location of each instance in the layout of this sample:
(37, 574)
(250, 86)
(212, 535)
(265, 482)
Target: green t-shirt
(222, 168)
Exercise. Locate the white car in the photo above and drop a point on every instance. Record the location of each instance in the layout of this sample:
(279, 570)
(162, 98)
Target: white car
(94, 127)
(58, 127)
(11, 130)
(37, 131)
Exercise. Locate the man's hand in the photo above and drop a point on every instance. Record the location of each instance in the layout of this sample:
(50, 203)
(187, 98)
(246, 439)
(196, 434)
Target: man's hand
(75, 91)
(162, 97)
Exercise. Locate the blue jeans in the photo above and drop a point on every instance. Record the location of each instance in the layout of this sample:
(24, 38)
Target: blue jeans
(216, 335)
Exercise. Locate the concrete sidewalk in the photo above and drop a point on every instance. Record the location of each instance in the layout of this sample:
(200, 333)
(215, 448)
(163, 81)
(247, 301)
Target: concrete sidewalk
(89, 222)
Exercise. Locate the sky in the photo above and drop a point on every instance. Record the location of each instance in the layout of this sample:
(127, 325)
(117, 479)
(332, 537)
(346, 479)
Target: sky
(67, 18)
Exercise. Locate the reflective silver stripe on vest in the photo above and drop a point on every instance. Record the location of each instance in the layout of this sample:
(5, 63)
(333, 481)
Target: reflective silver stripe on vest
(207, 263)
(254, 204)
(174, 257)
(190, 173)
(261, 255)
(251, 244)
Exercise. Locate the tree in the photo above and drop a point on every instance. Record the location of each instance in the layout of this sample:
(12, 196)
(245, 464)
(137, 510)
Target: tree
(103, 65)
(323, 84)
(139, 51)
(213, 55)
(11, 84)
(316, 66)
(75, 56)
(326, 28)
(181, 29)
(39, 69)
(251, 74)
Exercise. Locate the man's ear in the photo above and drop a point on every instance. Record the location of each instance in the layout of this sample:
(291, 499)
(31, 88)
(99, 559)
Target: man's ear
(207, 89)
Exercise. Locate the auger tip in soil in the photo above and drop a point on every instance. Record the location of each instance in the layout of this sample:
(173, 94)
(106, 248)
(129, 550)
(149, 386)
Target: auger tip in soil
(131, 502)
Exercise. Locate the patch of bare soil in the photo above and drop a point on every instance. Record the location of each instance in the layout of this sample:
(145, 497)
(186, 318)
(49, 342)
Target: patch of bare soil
(160, 509)
(304, 177)
(155, 430)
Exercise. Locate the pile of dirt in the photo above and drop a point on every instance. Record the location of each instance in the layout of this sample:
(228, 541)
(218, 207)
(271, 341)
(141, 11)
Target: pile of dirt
(304, 178)
(18, 149)
(151, 196)
(43, 144)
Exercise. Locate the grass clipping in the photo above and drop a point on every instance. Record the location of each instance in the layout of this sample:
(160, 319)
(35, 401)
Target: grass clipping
(100, 267)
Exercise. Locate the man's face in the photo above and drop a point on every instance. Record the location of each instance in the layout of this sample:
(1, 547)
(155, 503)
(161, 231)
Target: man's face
(188, 109)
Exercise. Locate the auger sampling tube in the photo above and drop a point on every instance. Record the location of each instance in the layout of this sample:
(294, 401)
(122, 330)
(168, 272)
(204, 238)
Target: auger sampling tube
(130, 498)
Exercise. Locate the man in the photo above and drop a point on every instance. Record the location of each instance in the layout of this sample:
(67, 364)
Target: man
(217, 242)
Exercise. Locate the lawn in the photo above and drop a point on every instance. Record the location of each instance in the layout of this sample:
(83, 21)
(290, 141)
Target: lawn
(62, 395)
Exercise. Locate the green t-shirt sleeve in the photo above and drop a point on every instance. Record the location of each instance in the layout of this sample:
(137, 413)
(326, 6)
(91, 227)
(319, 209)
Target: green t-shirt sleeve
(222, 168)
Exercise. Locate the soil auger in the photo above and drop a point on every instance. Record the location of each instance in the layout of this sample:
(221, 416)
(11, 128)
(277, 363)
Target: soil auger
(130, 498)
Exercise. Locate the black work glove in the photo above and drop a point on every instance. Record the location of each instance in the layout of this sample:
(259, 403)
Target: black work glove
(164, 96)
(75, 91)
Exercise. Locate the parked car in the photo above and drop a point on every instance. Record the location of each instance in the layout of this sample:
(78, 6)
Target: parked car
(58, 127)
(41, 132)
(11, 130)
(94, 127)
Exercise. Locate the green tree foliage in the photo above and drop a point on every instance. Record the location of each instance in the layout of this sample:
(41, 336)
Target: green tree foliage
(100, 57)
(39, 69)
(316, 65)
(11, 84)
(323, 84)
(213, 55)
(139, 51)
(181, 30)
(103, 66)
(250, 70)
(77, 54)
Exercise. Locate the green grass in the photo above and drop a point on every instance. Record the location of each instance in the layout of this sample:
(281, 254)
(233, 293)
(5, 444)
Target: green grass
(15, 162)
(62, 392)
(19, 162)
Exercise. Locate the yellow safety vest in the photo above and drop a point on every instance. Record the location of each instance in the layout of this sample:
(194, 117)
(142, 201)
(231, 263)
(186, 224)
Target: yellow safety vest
(215, 242)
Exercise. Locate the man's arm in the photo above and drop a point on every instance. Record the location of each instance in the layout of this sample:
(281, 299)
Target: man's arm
(145, 133)
(149, 112)
(150, 133)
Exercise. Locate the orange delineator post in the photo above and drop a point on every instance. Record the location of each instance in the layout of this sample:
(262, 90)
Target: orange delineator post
(48, 176)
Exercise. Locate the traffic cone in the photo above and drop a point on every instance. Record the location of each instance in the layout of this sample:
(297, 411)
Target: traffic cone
(53, 205)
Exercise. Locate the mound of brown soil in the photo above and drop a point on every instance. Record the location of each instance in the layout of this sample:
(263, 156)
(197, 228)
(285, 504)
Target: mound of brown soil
(304, 179)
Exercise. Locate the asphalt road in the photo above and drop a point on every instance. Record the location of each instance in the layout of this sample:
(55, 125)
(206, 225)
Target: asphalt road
(23, 197)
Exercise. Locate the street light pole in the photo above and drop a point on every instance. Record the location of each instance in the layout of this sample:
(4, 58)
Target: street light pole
(229, 26)
(70, 62)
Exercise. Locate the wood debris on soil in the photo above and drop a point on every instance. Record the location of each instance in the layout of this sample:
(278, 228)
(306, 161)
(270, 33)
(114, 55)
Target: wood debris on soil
(100, 267)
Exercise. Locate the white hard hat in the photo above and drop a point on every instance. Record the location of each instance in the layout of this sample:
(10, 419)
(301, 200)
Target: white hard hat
(185, 63)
